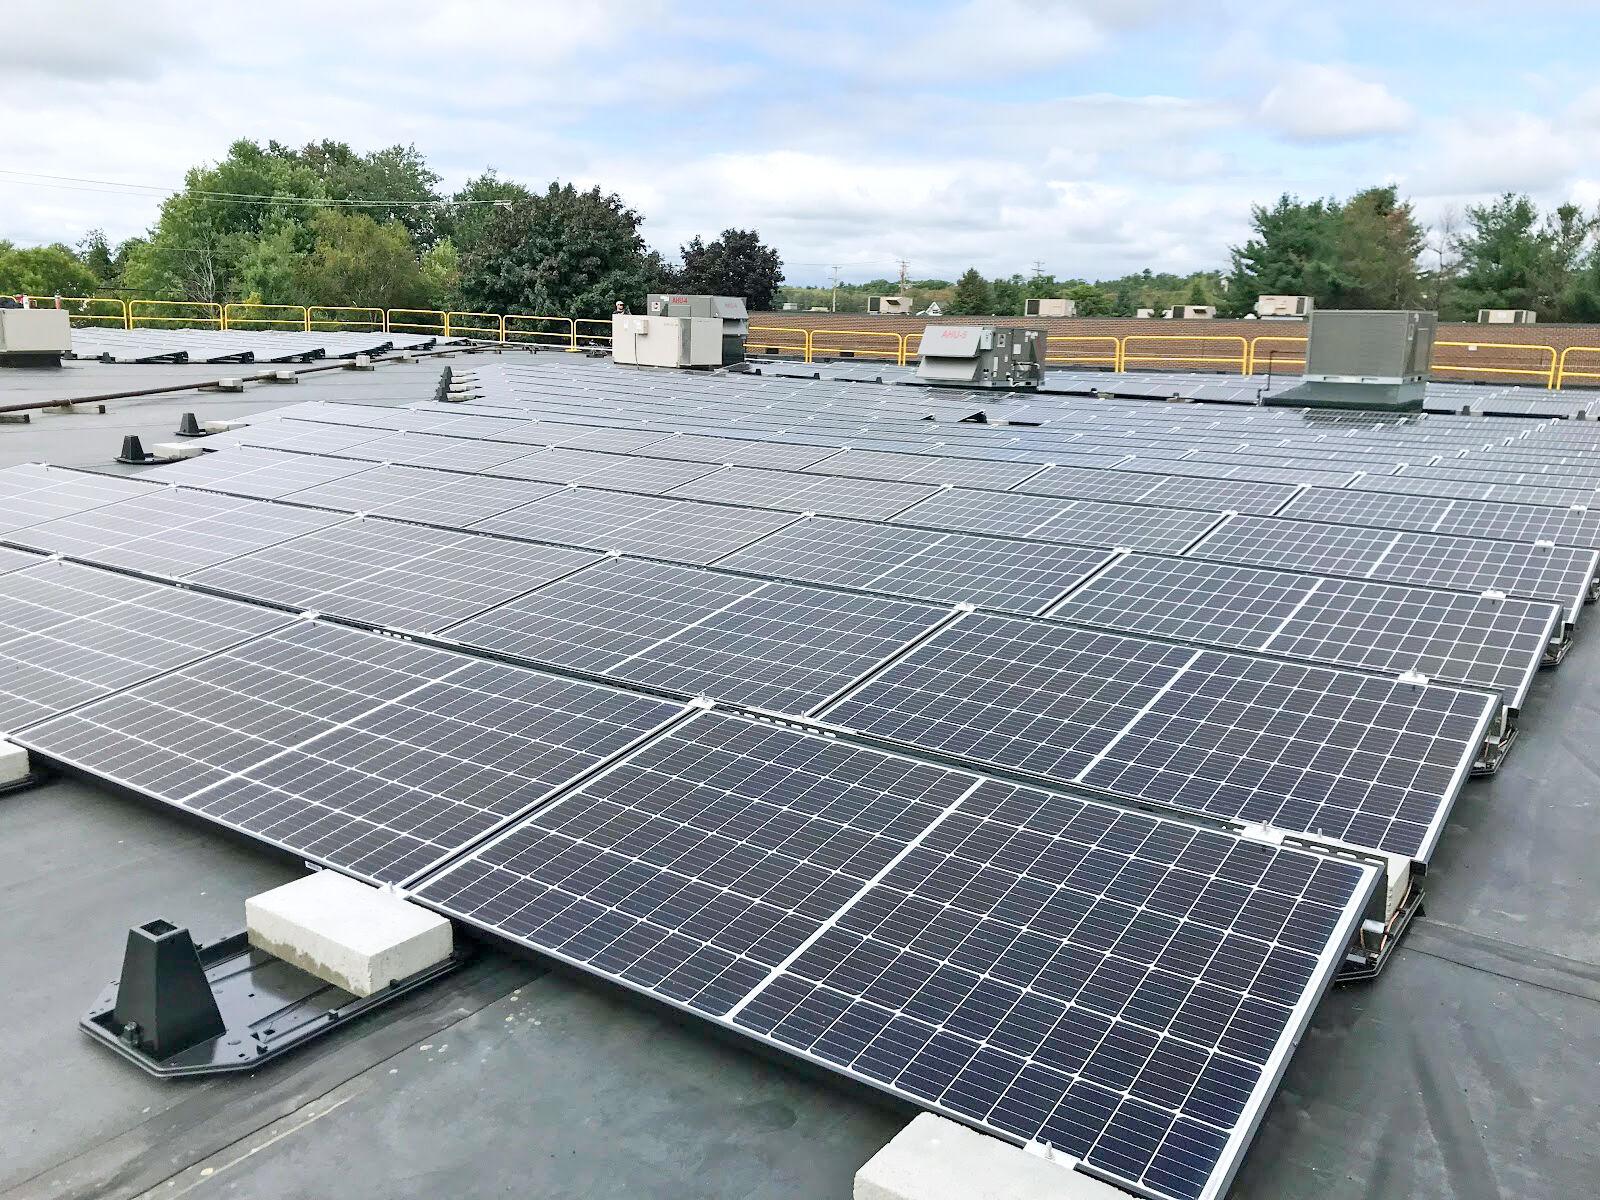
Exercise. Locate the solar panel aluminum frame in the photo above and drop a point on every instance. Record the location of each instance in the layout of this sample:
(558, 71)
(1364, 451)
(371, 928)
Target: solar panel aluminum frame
(1363, 903)
(308, 857)
(1462, 770)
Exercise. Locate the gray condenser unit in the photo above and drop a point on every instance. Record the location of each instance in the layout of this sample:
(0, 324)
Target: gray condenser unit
(992, 356)
(1365, 358)
(730, 310)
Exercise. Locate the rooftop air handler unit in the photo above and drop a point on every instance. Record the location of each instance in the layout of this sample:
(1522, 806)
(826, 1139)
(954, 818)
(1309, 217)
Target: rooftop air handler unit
(728, 310)
(982, 356)
(34, 337)
(651, 341)
(1055, 306)
(1192, 312)
(1507, 316)
(1283, 306)
(1365, 359)
(890, 306)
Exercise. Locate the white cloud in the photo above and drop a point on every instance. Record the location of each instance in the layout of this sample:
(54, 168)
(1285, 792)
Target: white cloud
(1489, 153)
(1321, 102)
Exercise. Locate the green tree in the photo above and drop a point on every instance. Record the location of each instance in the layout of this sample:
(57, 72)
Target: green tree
(1292, 253)
(361, 262)
(95, 253)
(396, 175)
(973, 296)
(568, 252)
(1502, 257)
(736, 264)
(1091, 301)
(44, 271)
(1377, 247)
(472, 208)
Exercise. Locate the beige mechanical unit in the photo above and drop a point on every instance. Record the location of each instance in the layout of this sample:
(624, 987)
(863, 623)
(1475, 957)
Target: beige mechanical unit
(890, 306)
(1507, 316)
(34, 336)
(1054, 306)
(985, 356)
(1283, 306)
(729, 310)
(666, 341)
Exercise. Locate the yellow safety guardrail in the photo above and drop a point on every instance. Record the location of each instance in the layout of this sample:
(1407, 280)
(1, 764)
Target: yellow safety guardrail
(1548, 373)
(495, 330)
(1272, 355)
(1241, 359)
(394, 324)
(565, 333)
(592, 337)
(767, 342)
(372, 322)
(897, 340)
(300, 321)
(1116, 349)
(1563, 374)
(211, 320)
(80, 315)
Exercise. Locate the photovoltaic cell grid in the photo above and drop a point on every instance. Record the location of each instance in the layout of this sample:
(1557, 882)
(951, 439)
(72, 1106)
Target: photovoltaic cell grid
(957, 568)
(70, 634)
(386, 573)
(1371, 761)
(695, 632)
(1121, 986)
(31, 494)
(245, 471)
(1047, 518)
(419, 494)
(659, 528)
(832, 495)
(367, 753)
(1469, 640)
(1467, 518)
(172, 531)
(1560, 574)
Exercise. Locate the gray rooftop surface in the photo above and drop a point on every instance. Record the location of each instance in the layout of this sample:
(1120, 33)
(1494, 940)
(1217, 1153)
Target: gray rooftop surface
(1467, 1070)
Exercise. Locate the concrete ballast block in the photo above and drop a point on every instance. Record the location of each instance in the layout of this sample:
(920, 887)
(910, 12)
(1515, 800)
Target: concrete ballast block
(223, 426)
(14, 765)
(172, 451)
(936, 1159)
(347, 933)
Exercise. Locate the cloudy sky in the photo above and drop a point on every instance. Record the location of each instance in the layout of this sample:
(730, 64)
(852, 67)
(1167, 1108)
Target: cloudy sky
(1094, 136)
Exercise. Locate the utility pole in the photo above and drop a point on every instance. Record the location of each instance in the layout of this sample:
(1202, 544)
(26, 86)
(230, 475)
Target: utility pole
(1038, 268)
(835, 289)
(904, 265)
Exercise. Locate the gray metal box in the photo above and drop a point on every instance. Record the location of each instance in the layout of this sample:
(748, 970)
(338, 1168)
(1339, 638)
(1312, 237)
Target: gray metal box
(991, 356)
(1370, 345)
(730, 310)
(666, 341)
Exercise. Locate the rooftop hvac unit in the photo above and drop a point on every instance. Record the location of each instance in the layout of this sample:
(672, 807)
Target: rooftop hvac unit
(728, 310)
(988, 356)
(652, 341)
(1283, 306)
(1367, 359)
(889, 306)
(1507, 316)
(1144, 314)
(34, 336)
(1192, 312)
(1055, 306)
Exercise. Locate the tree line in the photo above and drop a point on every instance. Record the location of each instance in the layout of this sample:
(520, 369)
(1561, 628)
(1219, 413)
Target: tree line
(324, 224)
(277, 225)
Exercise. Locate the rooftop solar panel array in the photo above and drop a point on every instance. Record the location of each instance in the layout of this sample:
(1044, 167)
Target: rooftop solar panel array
(1027, 693)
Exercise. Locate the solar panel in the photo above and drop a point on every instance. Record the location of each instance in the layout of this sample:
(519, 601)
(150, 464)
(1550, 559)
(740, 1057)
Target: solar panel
(1469, 640)
(1561, 574)
(16, 560)
(418, 494)
(70, 634)
(173, 531)
(445, 453)
(31, 494)
(625, 473)
(363, 752)
(1124, 987)
(400, 576)
(956, 568)
(1466, 518)
(300, 435)
(831, 495)
(1076, 522)
(691, 631)
(1372, 761)
(660, 528)
(245, 471)
(1479, 489)
(925, 468)
(740, 453)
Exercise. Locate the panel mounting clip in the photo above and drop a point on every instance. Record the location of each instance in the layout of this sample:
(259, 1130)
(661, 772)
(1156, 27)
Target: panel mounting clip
(1415, 677)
